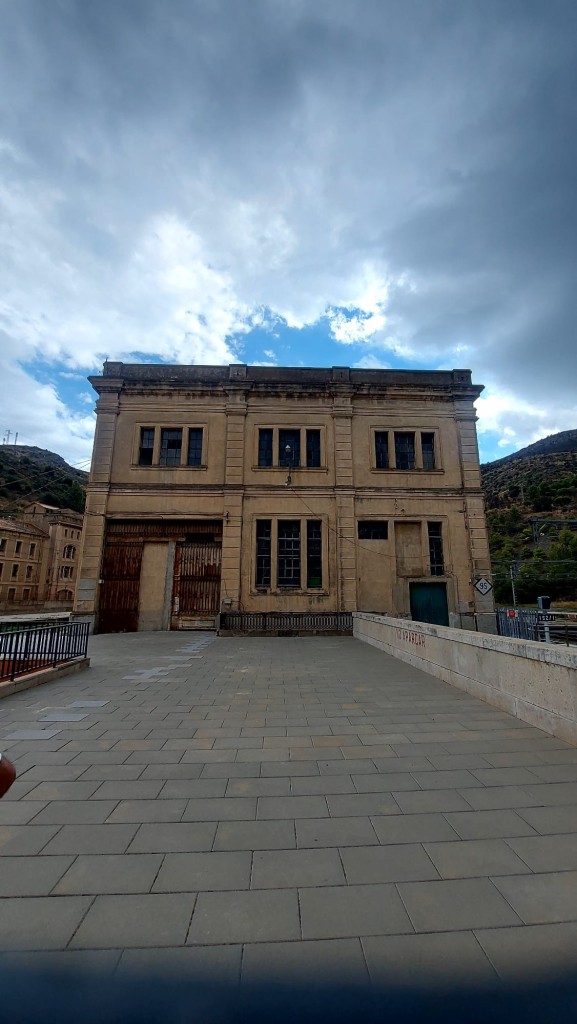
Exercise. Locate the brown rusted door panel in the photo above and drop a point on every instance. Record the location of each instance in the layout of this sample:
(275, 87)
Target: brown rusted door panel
(118, 605)
(197, 579)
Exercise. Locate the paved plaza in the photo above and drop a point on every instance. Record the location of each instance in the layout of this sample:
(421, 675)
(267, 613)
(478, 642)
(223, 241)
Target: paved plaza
(285, 806)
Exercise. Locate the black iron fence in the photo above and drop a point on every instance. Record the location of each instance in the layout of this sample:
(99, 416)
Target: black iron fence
(529, 624)
(37, 647)
(286, 623)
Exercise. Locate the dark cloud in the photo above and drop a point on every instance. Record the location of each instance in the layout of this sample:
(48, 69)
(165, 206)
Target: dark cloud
(301, 142)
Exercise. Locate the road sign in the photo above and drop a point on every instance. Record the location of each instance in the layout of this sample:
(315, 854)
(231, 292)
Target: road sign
(483, 586)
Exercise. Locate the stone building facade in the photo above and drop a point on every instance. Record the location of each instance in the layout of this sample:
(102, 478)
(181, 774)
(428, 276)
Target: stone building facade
(282, 489)
(39, 556)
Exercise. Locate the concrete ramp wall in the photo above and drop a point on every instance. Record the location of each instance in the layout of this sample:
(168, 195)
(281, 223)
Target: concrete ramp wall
(535, 682)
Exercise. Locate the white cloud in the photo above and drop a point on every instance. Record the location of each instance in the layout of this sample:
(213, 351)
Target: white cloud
(511, 422)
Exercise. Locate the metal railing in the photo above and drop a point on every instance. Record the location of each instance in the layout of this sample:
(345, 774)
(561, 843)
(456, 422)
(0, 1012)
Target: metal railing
(31, 649)
(286, 623)
(528, 624)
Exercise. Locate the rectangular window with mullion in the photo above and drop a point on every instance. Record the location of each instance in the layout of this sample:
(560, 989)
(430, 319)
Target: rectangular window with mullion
(404, 450)
(436, 560)
(170, 447)
(265, 446)
(428, 450)
(313, 449)
(194, 447)
(289, 553)
(263, 552)
(146, 446)
(289, 448)
(314, 554)
(382, 449)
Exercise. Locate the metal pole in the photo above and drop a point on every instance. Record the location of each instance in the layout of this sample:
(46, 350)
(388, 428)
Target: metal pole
(513, 586)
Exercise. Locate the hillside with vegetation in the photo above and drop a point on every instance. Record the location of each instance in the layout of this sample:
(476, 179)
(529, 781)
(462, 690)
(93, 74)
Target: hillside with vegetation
(34, 474)
(531, 501)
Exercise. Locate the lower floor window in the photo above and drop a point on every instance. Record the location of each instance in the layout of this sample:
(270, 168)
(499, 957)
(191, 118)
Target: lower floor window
(298, 553)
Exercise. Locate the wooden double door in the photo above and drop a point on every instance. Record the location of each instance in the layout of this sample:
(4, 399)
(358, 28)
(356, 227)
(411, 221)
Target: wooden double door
(184, 589)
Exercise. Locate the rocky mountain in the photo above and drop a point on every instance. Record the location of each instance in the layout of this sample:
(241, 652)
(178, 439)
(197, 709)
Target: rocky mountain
(531, 500)
(28, 473)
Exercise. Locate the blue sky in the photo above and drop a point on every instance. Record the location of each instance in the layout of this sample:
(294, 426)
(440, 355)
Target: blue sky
(378, 183)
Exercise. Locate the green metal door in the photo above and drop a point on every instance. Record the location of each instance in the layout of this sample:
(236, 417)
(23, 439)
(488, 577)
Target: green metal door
(429, 603)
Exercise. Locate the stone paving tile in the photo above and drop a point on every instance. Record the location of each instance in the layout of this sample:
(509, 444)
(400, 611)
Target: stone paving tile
(40, 923)
(147, 810)
(255, 835)
(31, 876)
(362, 804)
(385, 783)
(494, 797)
(142, 920)
(257, 787)
(475, 858)
(24, 840)
(547, 853)
(489, 824)
(531, 951)
(112, 873)
(256, 915)
(77, 839)
(75, 812)
(270, 808)
(441, 959)
(75, 961)
(62, 791)
(218, 964)
(432, 800)
(411, 828)
(404, 863)
(352, 910)
(314, 962)
(318, 832)
(281, 869)
(539, 899)
(322, 785)
(459, 904)
(197, 872)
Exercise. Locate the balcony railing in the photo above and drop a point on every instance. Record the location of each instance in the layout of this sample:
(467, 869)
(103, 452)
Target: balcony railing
(36, 647)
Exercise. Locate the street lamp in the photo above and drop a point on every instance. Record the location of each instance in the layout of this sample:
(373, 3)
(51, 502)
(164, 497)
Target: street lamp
(289, 461)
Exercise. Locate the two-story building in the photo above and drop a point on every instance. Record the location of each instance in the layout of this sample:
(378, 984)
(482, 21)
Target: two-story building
(282, 488)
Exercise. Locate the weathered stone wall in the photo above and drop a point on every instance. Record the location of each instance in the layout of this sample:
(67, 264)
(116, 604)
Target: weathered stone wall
(535, 682)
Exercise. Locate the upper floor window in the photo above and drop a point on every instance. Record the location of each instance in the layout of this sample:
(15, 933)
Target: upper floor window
(170, 447)
(382, 449)
(18, 547)
(66, 572)
(179, 446)
(289, 446)
(2, 543)
(29, 569)
(70, 551)
(265, 443)
(1, 569)
(146, 446)
(15, 571)
(194, 447)
(313, 449)
(32, 551)
(428, 451)
(405, 450)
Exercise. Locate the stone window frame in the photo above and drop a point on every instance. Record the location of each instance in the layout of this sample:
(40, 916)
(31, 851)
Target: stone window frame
(158, 427)
(274, 588)
(302, 427)
(418, 431)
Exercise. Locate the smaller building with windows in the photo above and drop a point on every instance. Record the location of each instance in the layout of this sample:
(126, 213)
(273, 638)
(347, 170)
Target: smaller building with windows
(282, 489)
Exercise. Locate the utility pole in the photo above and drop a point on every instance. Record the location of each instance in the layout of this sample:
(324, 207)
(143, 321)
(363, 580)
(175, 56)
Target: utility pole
(512, 578)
